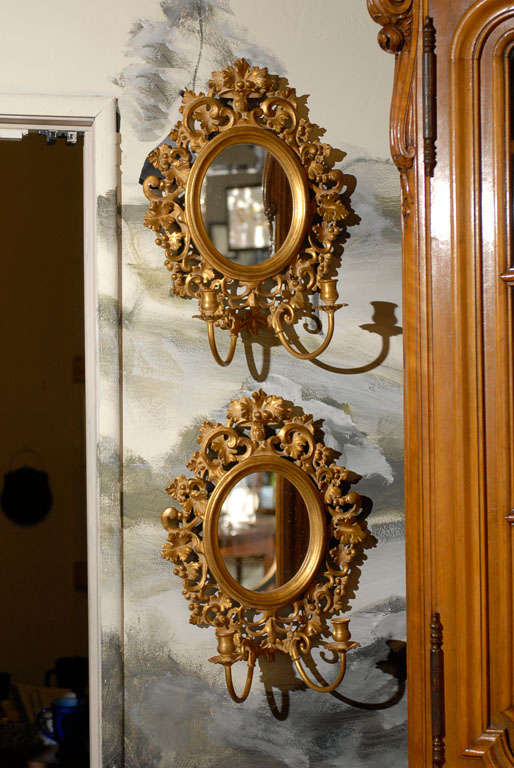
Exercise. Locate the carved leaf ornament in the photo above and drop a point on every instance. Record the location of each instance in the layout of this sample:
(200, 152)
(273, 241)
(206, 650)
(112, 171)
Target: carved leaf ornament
(244, 97)
(269, 429)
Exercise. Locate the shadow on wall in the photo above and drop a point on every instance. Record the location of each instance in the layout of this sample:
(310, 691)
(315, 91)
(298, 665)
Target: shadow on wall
(383, 323)
(280, 674)
(214, 732)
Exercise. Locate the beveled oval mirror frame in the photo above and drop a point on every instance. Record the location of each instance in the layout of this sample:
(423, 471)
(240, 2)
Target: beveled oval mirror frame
(248, 104)
(292, 589)
(248, 134)
(266, 432)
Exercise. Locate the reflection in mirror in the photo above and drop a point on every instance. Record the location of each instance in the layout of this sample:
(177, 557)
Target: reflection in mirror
(246, 203)
(263, 531)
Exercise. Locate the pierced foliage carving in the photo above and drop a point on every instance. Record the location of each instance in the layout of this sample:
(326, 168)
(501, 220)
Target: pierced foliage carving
(245, 95)
(270, 426)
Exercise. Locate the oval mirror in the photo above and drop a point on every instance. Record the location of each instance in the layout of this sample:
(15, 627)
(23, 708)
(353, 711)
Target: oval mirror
(246, 203)
(263, 531)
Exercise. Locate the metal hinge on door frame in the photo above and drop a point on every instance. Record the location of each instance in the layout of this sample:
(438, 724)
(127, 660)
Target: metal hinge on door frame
(437, 690)
(429, 97)
(69, 137)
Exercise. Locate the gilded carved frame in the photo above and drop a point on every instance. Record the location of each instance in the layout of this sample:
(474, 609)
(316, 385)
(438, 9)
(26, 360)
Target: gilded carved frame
(265, 432)
(247, 104)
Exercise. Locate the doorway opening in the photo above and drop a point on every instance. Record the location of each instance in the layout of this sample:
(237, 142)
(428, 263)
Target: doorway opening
(43, 503)
(93, 122)
(90, 125)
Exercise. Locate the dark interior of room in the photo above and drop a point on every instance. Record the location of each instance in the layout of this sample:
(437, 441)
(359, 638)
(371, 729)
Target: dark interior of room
(43, 573)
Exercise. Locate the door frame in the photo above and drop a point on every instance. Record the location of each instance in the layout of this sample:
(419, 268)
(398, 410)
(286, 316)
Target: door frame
(96, 117)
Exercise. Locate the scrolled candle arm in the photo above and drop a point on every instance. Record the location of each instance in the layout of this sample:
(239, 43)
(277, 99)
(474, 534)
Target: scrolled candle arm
(322, 688)
(308, 355)
(208, 308)
(214, 349)
(341, 644)
(248, 683)
(228, 655)
(286, 313)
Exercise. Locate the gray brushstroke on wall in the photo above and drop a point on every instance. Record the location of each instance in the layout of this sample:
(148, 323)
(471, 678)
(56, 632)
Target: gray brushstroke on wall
(175, 717)
(194, 38)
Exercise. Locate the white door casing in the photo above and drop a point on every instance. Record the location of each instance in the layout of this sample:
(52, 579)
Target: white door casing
(96, 117)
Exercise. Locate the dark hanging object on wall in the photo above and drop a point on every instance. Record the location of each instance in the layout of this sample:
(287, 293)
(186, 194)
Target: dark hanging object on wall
(26, 496)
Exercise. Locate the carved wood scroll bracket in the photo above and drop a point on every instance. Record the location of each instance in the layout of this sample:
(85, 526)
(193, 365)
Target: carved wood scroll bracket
(437, 690)
(398, 18)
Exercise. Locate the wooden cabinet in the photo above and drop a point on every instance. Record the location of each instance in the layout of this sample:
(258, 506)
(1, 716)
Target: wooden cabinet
(459, 376)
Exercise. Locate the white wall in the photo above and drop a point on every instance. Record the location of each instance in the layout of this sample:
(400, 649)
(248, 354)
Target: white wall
(72, 47)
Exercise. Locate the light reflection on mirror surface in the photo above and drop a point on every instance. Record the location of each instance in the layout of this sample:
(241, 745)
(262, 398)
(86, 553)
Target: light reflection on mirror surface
(263, 531)
(246, 203)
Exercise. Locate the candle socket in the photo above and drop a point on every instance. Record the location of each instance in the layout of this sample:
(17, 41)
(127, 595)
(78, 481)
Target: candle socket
(225, 641)
(328, 291)
(342, 641)
(208, 301)
(340, 629)
(227, 651)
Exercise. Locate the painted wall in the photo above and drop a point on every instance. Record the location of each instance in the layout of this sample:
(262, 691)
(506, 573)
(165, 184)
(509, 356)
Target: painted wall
(177, 712)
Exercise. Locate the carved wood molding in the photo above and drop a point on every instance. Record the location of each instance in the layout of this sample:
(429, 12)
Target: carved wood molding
(477, 77)
(398, 35)
(493, 748)
(475, 27)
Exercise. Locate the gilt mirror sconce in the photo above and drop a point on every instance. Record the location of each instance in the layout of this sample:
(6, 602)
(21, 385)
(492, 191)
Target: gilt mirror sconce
(249, 209)
(267, 536)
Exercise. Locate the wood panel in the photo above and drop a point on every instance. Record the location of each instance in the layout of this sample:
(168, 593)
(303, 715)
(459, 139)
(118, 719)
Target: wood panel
(458, 374)
(479, 670)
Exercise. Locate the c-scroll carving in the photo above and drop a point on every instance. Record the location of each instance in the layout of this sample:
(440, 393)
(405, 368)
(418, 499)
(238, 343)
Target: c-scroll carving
(398, 19)
(247, 104)
(266, 432)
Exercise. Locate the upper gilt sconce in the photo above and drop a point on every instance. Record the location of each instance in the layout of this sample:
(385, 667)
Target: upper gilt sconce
(248, 208)
(266, 538)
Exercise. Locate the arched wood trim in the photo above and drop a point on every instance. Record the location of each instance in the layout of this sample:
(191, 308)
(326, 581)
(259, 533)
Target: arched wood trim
(482, 370)
(475, 27)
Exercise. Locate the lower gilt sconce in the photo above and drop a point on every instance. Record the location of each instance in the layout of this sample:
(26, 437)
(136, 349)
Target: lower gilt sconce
(266, 538)
(250, 212)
